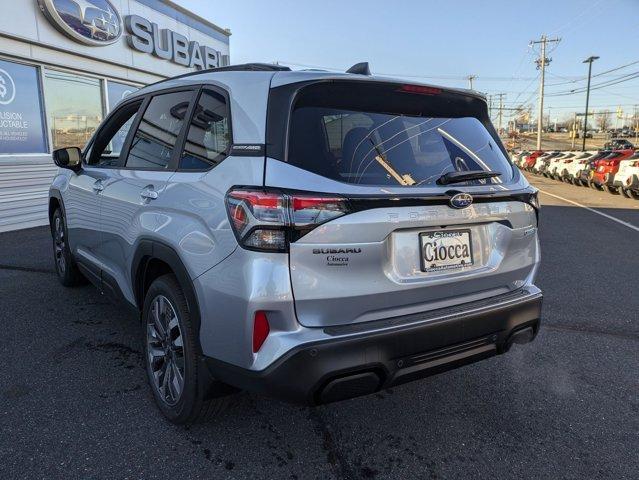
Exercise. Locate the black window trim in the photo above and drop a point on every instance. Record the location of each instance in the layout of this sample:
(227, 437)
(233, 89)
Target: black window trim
(104, 126)
(89, 146)
(173, 161)
(178, 150)
(224, 155)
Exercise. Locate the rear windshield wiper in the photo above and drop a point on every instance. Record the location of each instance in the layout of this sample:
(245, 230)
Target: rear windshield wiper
(458, 177)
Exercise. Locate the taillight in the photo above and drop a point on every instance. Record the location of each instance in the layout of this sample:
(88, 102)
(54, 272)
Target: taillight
(635, 164)
(268, 221)
(261, 329)
(420, 89)
(567, 161)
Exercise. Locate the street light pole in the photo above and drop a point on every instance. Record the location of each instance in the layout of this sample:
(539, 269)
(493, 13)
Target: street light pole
(589, 61)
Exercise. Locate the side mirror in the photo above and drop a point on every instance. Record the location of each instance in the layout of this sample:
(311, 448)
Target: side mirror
(70, 158)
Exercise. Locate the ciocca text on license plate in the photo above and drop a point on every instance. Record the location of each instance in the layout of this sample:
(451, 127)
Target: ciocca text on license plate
(446, 250)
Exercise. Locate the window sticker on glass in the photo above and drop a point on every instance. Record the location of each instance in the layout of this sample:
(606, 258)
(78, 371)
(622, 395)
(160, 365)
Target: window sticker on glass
(21, 124)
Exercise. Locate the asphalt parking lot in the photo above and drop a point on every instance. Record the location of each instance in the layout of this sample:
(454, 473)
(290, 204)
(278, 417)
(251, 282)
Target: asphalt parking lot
(74, 401)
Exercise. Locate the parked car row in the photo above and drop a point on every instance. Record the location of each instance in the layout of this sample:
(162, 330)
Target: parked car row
(615, 171)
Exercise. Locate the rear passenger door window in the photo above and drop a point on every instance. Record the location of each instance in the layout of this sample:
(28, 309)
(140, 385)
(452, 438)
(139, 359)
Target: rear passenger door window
(154, 141)
(209, 135)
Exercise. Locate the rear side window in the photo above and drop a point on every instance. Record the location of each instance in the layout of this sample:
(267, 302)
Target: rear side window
(152, 146)
(392, 138)
(209, 136)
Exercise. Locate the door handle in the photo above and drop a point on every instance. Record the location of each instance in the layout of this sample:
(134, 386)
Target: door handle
(149, 193)
(98, 186)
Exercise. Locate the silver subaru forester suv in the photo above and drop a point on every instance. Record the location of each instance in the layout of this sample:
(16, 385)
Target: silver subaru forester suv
(309, 235)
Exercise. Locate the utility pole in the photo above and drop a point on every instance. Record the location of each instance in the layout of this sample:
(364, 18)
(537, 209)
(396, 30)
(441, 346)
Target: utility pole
(573, 131)
(589, 61)
(501, 110)
(490, 107)
(636, 122)
(541, 65)
(470, 81)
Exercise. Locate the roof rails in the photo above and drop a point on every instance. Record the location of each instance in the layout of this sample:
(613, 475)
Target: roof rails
(245, 67)
(251, 67)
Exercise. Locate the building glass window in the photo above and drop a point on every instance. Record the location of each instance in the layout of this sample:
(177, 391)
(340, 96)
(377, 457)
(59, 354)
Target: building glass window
(209, 139)
(152, 146)
(118, 92)
(21, 123)
(74, 108)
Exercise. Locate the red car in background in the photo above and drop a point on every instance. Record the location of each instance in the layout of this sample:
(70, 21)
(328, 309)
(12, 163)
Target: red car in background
(531, 159)
(603, 175)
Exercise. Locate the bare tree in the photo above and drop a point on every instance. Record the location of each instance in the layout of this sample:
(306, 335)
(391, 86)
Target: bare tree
(603, 120)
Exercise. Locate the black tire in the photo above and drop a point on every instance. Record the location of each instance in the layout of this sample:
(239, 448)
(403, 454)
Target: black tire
(65, 266)
(190, 406)
(611, 190)
(634, 194)
(625, 192)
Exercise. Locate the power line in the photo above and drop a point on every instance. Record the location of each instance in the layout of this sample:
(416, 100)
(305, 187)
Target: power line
(573, 21)
(597, 75)
(607, 83)
(432, 77)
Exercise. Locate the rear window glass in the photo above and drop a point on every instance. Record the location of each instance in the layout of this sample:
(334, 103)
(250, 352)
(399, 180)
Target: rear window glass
(391, 149)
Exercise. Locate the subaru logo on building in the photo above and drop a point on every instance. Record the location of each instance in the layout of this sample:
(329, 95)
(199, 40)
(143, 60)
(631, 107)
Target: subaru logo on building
(461, 200)
(92, 22)
(7, 88)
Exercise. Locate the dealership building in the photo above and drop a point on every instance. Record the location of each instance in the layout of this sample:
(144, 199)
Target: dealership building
(64, 64)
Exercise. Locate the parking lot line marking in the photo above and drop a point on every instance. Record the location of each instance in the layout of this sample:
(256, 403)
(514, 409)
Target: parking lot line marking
(609, 217)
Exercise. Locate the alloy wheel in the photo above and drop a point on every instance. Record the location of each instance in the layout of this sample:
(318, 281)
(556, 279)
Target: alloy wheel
(59, 245)
(165, 350)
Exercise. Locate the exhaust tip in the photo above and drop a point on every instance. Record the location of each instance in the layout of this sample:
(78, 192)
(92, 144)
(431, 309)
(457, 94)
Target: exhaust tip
(349, 387)
(525, 335)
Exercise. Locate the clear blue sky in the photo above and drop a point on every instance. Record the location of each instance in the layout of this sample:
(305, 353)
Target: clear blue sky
(446, 41)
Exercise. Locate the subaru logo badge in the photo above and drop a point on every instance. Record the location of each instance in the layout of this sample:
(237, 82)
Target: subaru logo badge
(461, 200)
(92, 22)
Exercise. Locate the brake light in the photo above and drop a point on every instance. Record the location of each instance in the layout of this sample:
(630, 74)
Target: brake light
(635, 164)
(268, 221)
(420, 89)
(261, 329)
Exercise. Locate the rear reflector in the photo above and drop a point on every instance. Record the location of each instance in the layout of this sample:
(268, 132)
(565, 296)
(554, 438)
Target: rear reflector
(261, 330)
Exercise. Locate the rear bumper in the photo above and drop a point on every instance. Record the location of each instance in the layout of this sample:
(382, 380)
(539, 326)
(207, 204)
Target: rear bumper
(394, 351)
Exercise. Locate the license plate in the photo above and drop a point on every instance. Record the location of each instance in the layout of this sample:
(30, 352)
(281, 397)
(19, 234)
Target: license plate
(445, 250)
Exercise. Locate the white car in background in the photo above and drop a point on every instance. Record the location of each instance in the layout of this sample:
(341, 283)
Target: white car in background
(555, 165)
(569, 171)
(627, 178)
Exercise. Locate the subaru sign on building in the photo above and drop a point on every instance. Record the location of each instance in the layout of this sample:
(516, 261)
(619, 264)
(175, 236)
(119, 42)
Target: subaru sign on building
(64, 64)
